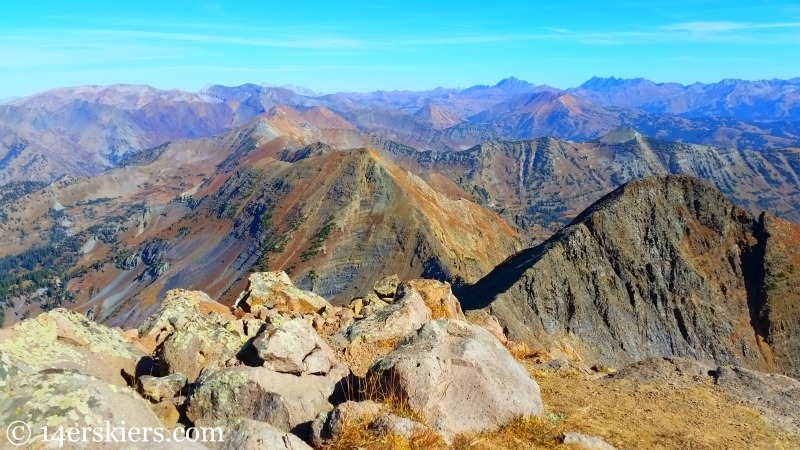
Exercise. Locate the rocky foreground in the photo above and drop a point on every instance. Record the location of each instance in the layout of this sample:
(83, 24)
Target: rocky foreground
(400, 367)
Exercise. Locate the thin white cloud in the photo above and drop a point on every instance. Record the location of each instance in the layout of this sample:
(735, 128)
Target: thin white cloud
(711, 27)
(41, 47)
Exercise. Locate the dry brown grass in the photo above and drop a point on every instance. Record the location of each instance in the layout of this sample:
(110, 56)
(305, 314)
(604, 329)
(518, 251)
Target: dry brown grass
(522, 351)
(356, 433)
(658, 416)
(521, 434)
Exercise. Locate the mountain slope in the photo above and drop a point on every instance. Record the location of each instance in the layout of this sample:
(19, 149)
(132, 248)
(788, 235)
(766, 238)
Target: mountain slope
(337, 220)
(549, 113)
(436, 116)
(202, 214)
(661, 266)
(546, 181)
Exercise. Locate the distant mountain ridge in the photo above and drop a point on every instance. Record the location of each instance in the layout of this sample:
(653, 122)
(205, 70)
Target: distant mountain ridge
(87, 130)
(739, 99)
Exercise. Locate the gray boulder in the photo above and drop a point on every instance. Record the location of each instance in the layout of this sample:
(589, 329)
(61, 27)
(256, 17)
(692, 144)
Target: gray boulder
(283, 400)
(459, 378)
(157, 389)
(294, 347)
(586, 442)
(250, 434)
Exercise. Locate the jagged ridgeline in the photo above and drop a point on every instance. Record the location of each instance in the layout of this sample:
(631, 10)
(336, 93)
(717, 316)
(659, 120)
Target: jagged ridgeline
(336, 221)
(663, 266)
(546, 182)
(283, 193)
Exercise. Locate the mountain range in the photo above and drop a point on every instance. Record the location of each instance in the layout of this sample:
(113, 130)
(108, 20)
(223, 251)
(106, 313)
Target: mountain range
(89, 129)
(400, 269)
(112, 196)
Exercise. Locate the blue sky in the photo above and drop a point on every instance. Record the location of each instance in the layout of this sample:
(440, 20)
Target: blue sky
(365, 46)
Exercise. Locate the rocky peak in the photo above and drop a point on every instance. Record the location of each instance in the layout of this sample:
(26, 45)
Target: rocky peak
(663, 266)
(513, 84)
(621, 135)
(601, 84)
(438, 117)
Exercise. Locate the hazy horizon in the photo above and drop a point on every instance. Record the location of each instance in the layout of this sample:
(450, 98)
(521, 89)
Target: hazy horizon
(364, 47)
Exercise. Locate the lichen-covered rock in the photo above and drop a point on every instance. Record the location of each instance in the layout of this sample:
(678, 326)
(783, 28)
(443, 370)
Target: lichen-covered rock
(178, 306)
(386, 287)
(190, 332)
(228, 395)
(294, 347)
(283, 400)
(62, 339)
(274, 290)
(457, 377)
(405, 315)
(250, 434)
(55, 397)
(437, 295)
(157, 389)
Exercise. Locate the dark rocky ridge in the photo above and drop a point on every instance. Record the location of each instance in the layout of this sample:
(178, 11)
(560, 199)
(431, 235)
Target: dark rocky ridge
(663, 266)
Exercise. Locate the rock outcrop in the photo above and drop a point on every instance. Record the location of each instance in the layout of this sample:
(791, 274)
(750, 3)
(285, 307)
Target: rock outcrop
(275, 291)
(663, 266)
(438, 296)
(65, 340)
(290, 377)
(190, 334)
(58, 397)
(776, 397)
(406, 314)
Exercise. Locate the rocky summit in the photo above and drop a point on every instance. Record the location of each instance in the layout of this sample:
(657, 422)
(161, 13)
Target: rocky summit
(661, 267)
(398, 367)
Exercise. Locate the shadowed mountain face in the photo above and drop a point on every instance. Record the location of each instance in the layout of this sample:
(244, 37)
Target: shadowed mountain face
(661, 266)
